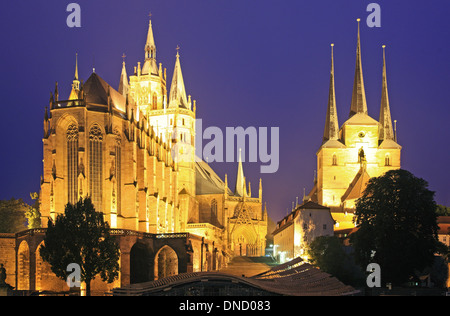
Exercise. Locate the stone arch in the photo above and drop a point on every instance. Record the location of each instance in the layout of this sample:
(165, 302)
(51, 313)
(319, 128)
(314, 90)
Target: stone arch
(65, 120)
(245, 240)
(166, 263)
(23, 266)
(139, 263)
(44, 275)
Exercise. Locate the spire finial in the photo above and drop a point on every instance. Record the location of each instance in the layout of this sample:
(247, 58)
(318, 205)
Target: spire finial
(331, 130)
(359, 103)
(123, 57)
(178, 51)
(76, 66)
(386, 131)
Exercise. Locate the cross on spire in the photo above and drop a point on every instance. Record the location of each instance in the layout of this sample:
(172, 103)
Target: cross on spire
(178, 50)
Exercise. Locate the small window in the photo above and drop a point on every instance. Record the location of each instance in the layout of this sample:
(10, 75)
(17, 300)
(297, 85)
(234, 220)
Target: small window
(324, 226)
(334, 160)
(387, 160)
(154, 102)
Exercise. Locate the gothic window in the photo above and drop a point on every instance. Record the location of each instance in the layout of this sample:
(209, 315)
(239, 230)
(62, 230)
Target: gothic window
(154, 102)
(118, 173)
(387, 160)
(72, 163)
(95, 166)
(214, 211)
(334, 160)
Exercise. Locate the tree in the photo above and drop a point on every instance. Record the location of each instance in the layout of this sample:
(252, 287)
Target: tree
(442, 210)
(327, 253)
(81, 236)
(12, 214)
(33, 214)
(397, 226)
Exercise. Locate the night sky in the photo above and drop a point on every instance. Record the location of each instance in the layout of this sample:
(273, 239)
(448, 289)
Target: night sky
(247, 63)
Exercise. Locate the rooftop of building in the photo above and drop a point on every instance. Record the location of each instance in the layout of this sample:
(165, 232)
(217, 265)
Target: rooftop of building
(294, 278)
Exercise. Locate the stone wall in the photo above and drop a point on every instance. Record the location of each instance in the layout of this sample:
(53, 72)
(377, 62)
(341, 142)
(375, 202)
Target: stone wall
(8, 257)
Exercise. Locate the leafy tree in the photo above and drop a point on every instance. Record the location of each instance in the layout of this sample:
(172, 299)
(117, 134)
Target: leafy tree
(397, 226)
(327, 253)
(81, 236)
(442, 210)
(33, 214)
(12, 214)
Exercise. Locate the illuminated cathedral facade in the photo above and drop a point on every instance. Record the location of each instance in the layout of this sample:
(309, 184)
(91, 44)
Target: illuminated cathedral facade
(122, 148)
(356, 151)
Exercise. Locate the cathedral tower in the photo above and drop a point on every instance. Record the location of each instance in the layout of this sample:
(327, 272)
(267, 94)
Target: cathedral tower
(360, 149)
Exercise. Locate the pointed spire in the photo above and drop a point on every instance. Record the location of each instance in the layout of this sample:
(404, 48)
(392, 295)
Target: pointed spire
(359, 103)
(123, 84)
(56, 91)
(150, 66)
(331, 124)
(260, 190)
(76, 81)
(74, 94)
(177, 97)
(76, 66)
(386, 129)
(240, 179)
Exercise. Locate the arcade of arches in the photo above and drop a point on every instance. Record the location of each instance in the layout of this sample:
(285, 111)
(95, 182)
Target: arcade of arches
(143, 258)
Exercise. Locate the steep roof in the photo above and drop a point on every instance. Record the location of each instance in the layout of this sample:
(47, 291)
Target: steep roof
(123, 84)
(357, 186)
(177, 96)
(359, 102)
(150, 66)
(207, 181)
(331, 131)
(386, 129)
(96, 92)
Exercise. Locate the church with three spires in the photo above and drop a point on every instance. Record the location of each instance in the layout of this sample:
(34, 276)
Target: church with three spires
(358, 150)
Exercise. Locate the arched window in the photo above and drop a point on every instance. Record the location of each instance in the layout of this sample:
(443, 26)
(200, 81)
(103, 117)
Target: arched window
(96, 166)
(72, 163)
(155, 101)
(334, 160)
(387, 160)
(117, 170)
(23, 266)
(214, 219)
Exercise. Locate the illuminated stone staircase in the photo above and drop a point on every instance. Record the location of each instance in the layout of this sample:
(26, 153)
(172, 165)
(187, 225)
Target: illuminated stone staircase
(249, 266)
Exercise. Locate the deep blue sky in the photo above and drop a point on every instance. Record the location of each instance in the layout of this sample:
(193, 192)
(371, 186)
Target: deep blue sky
(247, 63)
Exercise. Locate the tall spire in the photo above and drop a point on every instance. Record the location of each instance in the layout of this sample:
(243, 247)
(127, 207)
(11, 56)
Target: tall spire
(359, 103)
(177, 97)
(331, 124)
(386, 129)
(123, 84)
(74, 94)
(150, 66)
(76, 66)
(240, 179)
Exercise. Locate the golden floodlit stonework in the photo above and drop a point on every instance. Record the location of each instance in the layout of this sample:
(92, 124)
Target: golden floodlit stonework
(360, 149)
(120, 147)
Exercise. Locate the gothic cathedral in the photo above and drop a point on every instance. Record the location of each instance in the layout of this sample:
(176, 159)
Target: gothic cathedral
(120, 147)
